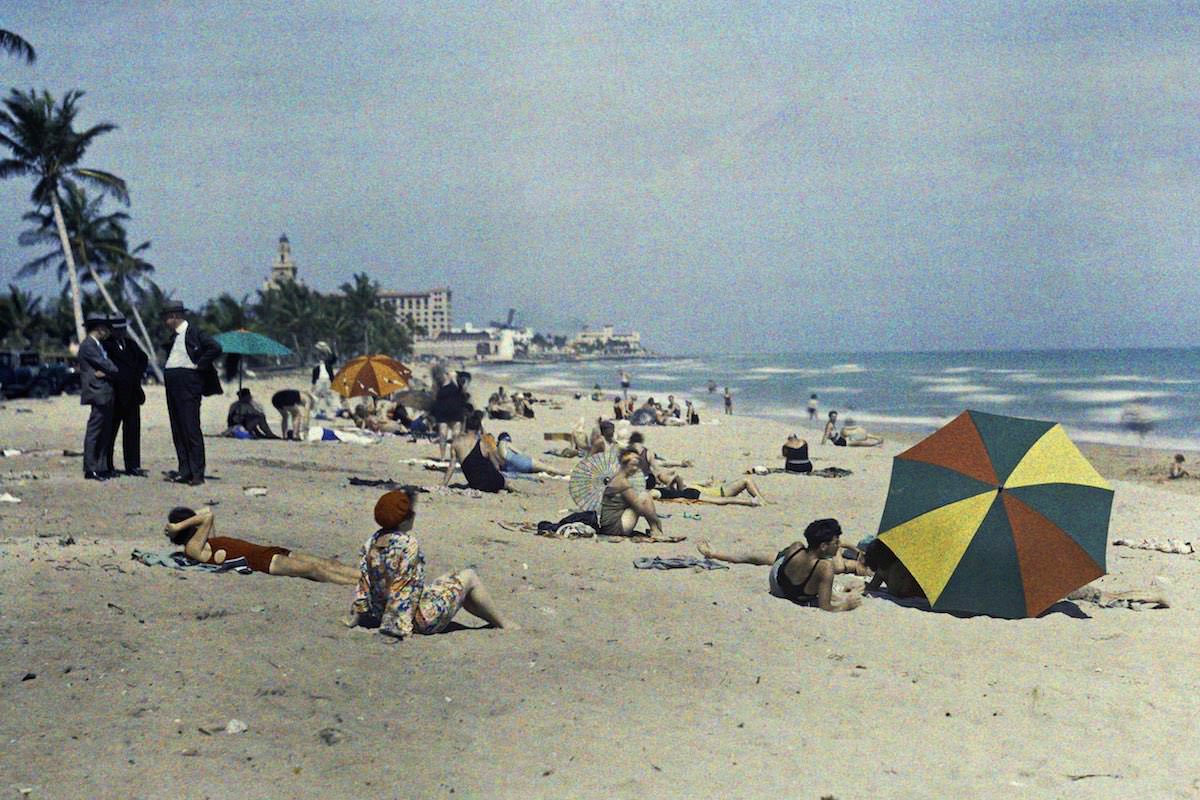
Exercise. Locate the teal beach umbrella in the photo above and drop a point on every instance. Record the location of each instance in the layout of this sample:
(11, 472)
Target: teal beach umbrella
(248, 343)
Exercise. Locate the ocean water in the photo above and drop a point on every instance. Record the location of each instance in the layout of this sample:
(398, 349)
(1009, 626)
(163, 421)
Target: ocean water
(1088, 391)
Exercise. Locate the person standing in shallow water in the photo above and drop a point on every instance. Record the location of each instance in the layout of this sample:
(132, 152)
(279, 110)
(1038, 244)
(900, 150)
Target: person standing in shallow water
(812, 407)
(728, 401)
(624, 376)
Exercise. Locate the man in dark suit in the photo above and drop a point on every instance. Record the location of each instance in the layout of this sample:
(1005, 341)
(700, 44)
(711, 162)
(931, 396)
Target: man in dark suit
(189, 375)
(128, 395)
(96, 374)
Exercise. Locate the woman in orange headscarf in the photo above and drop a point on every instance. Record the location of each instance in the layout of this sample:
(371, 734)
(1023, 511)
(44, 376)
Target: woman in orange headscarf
(392, 591)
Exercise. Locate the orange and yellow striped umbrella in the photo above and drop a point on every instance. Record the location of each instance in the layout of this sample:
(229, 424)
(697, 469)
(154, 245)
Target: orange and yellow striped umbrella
(374, 376)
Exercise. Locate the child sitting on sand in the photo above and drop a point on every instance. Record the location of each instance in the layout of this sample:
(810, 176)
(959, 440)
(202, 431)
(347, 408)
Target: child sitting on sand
(803, 571)
(194, 531)
(392, 593)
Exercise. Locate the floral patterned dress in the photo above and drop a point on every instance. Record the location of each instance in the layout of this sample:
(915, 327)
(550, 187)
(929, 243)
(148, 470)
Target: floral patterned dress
(392, 592)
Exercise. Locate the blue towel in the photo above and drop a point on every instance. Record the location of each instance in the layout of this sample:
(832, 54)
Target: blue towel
(177, 560)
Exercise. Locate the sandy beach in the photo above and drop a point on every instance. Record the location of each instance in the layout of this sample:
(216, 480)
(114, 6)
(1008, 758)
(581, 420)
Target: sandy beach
(117, 680)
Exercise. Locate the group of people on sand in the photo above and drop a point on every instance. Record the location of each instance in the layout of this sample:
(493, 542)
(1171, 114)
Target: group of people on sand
(392, 593)
(652, 412)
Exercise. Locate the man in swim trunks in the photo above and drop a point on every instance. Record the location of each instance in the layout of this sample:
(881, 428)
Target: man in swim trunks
(194, 531)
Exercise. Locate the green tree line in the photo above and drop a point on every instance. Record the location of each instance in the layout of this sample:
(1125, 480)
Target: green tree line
(101, 272)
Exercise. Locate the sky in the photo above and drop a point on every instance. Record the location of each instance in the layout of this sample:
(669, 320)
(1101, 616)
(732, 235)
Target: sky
(724, 177)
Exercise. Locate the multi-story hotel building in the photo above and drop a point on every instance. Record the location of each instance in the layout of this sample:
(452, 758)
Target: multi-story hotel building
(428, 311)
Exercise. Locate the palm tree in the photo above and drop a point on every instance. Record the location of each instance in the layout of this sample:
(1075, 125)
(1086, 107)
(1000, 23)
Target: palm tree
(97, 240)
(11, 43)
(126, 269)
(21, 316)
(44, 145)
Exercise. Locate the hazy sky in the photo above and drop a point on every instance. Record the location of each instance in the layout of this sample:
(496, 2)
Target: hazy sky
(723, 177)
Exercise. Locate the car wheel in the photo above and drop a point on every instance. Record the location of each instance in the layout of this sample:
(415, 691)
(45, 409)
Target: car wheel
(39, 391)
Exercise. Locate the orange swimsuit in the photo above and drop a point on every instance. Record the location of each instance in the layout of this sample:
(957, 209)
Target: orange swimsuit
(258, 557)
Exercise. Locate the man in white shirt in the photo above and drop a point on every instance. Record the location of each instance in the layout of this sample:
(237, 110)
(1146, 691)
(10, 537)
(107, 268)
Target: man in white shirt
(188, 376)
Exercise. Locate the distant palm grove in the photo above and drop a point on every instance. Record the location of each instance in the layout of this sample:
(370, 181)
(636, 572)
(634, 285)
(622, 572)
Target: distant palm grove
(74, 229)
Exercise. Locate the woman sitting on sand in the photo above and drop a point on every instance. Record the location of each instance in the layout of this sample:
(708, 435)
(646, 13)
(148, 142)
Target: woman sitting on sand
(513, 460)
(713, 493)
(621, 506)
(802, 573)
(795, 455)
(480, 462)
(194, 531)
(830, 434)
(392, 593)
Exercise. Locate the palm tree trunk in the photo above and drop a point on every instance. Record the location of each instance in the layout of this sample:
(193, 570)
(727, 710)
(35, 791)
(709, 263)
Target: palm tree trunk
(146, 344)
(151, 353)
(72, 275)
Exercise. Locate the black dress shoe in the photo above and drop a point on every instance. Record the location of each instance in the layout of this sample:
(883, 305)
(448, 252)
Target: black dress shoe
(194, 482)
(95, 476)
(176, 478)
(112, 473)
(136, 473)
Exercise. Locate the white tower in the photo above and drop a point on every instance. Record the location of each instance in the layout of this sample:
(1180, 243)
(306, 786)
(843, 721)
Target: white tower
(283, 268)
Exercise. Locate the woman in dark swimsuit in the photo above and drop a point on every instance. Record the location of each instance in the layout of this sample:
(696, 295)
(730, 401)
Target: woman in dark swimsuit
(795, 455)
(480, 463)
(803, 571)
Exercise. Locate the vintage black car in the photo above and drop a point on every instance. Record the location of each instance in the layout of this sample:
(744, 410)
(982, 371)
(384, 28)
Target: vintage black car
(26, 374)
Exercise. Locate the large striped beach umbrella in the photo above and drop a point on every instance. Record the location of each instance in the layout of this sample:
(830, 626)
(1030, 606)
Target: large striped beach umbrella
(375, 376)
(997, 515)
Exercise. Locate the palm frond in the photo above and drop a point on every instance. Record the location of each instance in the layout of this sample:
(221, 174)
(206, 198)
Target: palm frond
(12, 43)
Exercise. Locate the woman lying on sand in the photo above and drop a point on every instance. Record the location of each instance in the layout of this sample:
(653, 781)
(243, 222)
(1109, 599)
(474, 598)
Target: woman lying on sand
(513, 460)
(857, 436)
(479, 461)
(392, 592)
(717, 494)
(802, 573)
(194, 531)
(621, 506)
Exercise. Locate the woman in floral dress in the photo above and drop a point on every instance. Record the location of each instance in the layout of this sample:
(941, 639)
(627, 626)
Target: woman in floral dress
(392, 591)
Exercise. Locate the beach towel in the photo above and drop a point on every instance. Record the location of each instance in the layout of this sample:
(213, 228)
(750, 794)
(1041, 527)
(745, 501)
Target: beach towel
(824, 472)
(585, 518)
(177, 560)
(643, 538)
(384, 483)
(684, 562)
(1161, 545)
(428, 463)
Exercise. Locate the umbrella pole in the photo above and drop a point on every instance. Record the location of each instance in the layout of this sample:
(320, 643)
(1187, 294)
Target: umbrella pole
(241, 366)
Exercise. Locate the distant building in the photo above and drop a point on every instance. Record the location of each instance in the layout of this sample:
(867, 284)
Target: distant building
(283, 269)
(468, 345)
(606, 340)
(427, 311)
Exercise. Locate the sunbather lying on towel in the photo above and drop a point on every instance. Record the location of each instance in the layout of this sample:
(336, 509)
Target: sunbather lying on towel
(194, 531)
(717, 494)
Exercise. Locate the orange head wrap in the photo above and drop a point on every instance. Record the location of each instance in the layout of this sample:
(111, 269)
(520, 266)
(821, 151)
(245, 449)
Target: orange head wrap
(393, 509)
